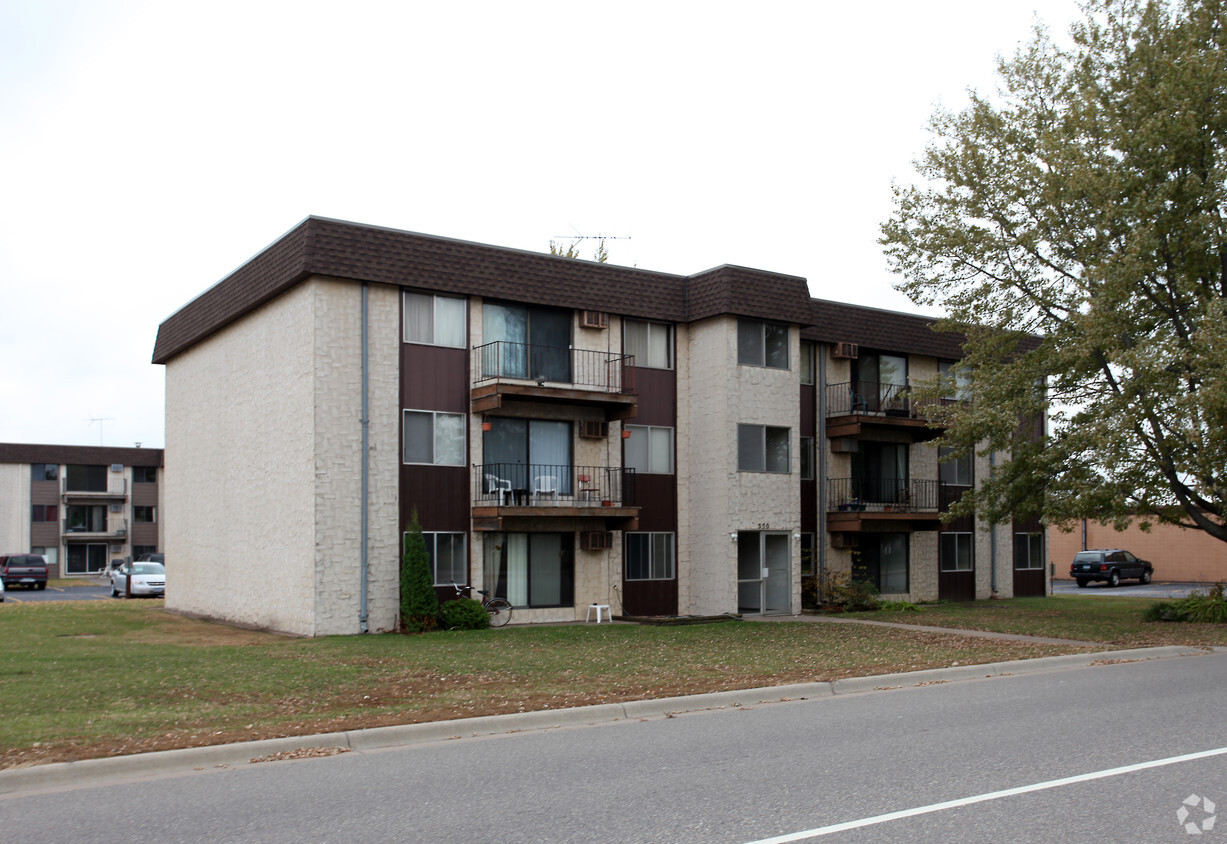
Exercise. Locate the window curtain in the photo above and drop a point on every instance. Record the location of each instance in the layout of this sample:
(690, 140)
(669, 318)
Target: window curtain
(508, 327)
(549, 450)
(449, 322)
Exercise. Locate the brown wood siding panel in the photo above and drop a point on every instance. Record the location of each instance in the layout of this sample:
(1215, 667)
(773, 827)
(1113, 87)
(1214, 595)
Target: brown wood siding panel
(434, 378)
(809, 411)
(145, 533)
(43, 534)
(656, 496)
(956, 585)
(657, 390)
(145, 495)
(1029, 583)
(45, 492)
(440, 494)
(649, 597)
(809, 506)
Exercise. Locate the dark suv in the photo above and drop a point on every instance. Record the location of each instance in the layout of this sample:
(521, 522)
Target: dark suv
(24, 570)
(1111, 565)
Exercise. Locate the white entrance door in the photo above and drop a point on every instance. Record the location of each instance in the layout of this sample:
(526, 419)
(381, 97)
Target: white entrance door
(764, 572)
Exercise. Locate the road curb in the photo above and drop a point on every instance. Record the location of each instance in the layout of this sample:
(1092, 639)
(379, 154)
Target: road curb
(60, 775)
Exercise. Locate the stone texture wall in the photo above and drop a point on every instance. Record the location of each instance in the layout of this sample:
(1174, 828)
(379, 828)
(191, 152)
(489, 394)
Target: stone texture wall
(15, 509)
(240, 470)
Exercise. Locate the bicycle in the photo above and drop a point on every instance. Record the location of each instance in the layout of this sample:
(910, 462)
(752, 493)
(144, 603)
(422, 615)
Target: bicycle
(500, 610)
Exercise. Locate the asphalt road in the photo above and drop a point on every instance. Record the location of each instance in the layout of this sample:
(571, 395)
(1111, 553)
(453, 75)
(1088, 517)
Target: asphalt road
(1128, 589)
(1109, 752)
(85, 592)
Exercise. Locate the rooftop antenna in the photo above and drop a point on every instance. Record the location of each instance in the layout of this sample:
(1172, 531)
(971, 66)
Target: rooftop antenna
(100, 420)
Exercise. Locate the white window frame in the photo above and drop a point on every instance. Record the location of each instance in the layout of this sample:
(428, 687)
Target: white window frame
(808, 458)
(1035, 551)
(408, 295)
(651, 328)
(956, 382)
(434, 452)
(432, 550)
(653, 435)
(808, 362)
(660, 544)
(756, 354)
(960, 471)
(746, 432)
(964, 552)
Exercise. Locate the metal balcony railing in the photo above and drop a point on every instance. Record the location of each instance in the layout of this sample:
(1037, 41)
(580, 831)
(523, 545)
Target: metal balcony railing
(547, 485)
(883, 494)
(114, 487)
(868, 397)
(503, 360)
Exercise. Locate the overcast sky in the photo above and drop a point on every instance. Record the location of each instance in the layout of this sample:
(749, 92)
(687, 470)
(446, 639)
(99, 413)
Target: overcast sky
(149, 148)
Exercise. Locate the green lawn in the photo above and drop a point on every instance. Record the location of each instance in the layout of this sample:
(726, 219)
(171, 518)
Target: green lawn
(85, 679)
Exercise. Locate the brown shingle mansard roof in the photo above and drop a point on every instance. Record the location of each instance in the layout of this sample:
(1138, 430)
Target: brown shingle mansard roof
(79, 455)
(320, 246)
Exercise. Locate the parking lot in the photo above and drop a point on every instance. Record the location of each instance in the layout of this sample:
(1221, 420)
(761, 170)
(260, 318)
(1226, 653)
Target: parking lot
(87, 589)
(1129, 589)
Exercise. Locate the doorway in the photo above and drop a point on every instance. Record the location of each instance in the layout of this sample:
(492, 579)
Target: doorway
(764, 573)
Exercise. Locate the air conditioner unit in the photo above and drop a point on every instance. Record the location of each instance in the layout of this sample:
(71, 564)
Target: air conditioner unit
(594, 319)
(117, 508)
(846, 351)
(117, 549)
(593, 429)
(121, 532)
(596, 540)
(117, 467)
(844, 540)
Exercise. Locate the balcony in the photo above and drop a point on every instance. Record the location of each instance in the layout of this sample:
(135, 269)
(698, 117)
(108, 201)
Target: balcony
(854, 406)
(81, 530)
(509, 371)
(115, 488)
(883, 504)
(508, 493)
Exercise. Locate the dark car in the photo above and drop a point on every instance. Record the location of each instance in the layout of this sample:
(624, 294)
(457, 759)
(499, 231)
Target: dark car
(1111, 565)
(28, 570)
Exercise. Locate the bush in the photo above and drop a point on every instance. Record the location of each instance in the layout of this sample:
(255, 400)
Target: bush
(464, 614)
(1200, 607)
(419, 605)
(838, 592)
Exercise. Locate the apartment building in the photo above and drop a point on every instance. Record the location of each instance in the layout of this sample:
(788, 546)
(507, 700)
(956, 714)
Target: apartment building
(565, 432)
(82, 507)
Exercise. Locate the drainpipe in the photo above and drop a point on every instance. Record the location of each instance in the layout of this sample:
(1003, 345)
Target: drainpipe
(992, 462)
(366, 437)
(820, 443)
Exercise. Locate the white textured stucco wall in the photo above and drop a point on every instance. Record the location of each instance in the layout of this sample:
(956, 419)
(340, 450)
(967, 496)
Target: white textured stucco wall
(719, 395)
(14, 508)
(263, 436)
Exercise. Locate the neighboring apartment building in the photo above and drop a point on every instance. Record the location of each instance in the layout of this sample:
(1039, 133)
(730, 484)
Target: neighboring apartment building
(566, 432)
(82, 507)
(1178, 554)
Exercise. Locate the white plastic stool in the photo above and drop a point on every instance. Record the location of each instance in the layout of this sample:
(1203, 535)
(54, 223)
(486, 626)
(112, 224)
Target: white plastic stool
(599, 608)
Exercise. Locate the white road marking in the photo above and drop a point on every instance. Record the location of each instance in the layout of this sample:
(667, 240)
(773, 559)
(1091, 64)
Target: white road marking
(993, 795)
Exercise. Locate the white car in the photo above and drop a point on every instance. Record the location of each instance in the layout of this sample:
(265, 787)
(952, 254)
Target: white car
(147, 579)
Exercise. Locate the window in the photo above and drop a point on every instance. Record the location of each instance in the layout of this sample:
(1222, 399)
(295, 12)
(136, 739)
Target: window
(44, 472)
(650, 342)
(86, 518)
(434, 320)
(761, 448)
(649, 449)
(956, 552)
(530, 454)
(807, 458)
(883, 562)
(86, 478)
(649, 556)
(448, 561)
(809, 555)
(956, 382)
(45, 513)
(526, 342)
(144, 514)
(144, 474)
(1028, 551)
(957, 470)
(762, 344)
(434, 438)
(530, 569)
(807, 362)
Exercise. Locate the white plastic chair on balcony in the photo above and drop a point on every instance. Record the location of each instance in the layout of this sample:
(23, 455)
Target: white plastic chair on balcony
(496, 484)
(545, 485)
